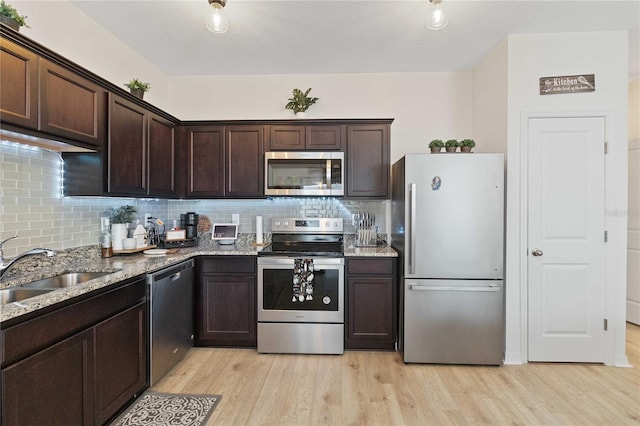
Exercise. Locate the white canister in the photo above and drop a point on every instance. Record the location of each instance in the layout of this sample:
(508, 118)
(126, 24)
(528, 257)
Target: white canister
(140, 236)
(118, 233)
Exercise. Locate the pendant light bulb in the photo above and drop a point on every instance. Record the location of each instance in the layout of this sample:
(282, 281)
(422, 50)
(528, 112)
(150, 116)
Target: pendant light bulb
(437, 20)
(216, 20)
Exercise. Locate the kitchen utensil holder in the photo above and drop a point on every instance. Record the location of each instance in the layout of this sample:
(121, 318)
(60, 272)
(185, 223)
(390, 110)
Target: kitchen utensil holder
(366, 236)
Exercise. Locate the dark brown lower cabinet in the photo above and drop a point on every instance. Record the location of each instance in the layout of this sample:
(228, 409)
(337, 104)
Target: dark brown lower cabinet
(226, 302)
(120, 361)
(370, 320)
(51, 387)
(78, 364)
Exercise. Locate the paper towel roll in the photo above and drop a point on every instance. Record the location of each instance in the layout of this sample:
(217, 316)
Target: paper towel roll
(258, 229)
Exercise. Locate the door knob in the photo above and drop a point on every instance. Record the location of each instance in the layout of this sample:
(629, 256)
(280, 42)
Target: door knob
(537, 252)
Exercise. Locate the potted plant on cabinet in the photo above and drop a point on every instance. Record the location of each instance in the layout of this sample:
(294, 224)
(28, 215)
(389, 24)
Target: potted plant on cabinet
(10, 17)
(300, 102)
(436, 145)
(451, 145)
(120, 218)
(138, 88)
(466, 145)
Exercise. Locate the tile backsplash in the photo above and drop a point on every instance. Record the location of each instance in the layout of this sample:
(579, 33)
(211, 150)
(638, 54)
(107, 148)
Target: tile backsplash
(32, 204)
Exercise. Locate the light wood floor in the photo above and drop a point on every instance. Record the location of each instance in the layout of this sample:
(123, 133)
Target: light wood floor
(377, 388)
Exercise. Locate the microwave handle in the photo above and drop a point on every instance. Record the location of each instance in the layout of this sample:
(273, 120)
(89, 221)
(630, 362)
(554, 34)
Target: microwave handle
(328, 173)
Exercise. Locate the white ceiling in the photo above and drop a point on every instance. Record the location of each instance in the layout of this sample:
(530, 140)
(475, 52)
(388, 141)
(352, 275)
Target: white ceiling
(331, 36)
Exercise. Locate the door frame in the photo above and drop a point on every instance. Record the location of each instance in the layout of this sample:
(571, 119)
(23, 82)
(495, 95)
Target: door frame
(615, 292)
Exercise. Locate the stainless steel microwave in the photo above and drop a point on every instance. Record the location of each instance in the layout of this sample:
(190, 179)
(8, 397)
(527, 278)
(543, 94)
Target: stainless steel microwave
(304, 173)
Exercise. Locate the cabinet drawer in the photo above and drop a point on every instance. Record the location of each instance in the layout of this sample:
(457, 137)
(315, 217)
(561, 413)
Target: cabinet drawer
(373, 266)
(231, 265)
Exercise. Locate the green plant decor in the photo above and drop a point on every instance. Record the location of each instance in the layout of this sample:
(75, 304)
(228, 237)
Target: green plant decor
(301, 101)
(9, 11)
(136, 84)
(123, 214)
(452, 143)
(468, 142)
(436, 143)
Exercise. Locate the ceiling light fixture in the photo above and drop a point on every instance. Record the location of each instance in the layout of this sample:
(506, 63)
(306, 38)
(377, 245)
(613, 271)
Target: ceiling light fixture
(216, 20)
(437, 20)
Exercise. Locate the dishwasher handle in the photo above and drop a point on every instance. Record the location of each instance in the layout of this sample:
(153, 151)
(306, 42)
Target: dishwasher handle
(173, 272)
(418, 287)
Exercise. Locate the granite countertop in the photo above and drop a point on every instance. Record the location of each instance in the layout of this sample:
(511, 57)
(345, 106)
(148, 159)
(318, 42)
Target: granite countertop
(351, 250)
(122, 267)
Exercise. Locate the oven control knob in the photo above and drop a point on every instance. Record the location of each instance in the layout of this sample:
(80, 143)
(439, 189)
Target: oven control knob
(326, 300)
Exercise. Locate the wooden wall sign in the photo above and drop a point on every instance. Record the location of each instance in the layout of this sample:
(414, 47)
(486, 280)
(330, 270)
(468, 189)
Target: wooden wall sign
(567, 84)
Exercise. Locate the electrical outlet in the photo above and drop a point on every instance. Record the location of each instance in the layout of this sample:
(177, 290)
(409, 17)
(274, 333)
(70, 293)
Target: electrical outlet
(235, 218)
(146, 219)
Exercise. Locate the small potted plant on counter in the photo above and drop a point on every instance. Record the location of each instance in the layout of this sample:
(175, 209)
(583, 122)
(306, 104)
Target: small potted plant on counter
(138, 88)
(11, 18)
(120, 218)
(436, 145)
(300, 102)
(466, 145)
(451, 145)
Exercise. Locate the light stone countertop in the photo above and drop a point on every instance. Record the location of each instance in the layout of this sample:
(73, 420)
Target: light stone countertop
(350, 249)
(123, 267)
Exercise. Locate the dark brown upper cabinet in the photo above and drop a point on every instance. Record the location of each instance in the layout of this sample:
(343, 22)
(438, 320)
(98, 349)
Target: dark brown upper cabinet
(141, 151)
(285, 137)
(162, 157)
(40, 96)
(127, 148)
(71, 106)
(368, 163)
(204, 162)
(244, 161)
(224, 161)
(19, 83)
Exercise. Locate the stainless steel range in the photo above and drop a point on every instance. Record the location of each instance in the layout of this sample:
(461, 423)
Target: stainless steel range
(301, 287)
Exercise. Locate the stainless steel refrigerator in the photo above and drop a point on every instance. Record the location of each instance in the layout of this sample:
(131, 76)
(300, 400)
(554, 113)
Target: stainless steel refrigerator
(448, 228)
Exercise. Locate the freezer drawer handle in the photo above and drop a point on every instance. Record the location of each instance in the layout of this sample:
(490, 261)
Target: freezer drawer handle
(418, 287)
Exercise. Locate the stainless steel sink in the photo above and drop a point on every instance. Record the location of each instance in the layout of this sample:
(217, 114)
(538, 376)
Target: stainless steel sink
(64, 280)
(16, 294)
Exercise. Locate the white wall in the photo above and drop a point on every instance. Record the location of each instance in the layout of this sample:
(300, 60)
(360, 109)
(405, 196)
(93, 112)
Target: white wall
(633, 235)
(490, 97)
(530, 57)
(424, 105)
(63, 28)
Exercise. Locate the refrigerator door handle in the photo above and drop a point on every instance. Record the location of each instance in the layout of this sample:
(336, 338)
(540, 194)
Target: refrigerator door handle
(412, 228)
(418, 287)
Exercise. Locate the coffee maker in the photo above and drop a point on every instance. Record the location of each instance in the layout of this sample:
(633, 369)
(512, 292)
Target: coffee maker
(189, 222)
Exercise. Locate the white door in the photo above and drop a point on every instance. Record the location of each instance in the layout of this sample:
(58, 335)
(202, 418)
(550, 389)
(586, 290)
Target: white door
(566, 288)
(633, 235)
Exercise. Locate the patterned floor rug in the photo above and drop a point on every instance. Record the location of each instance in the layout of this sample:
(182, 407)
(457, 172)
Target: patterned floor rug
(164, 409)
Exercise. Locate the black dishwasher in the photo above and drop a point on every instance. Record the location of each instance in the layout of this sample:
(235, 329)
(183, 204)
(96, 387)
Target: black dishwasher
(170, 295)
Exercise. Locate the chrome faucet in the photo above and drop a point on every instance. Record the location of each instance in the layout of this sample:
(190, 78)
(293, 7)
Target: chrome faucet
(5, 265)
